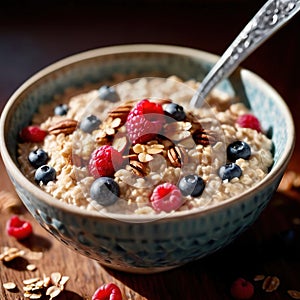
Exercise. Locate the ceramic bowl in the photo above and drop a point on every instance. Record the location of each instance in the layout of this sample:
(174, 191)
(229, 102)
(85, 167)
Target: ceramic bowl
(125, 243)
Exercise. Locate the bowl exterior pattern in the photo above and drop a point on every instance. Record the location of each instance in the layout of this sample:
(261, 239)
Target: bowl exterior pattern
(166, 243)
(149, 247)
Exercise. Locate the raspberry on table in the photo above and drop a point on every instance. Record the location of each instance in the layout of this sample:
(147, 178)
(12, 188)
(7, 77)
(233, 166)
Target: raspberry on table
(104, 161)
(18, 228)
(166, 197)
(144, 121)
(241, 289)
(33, 134)
(109, 291)
(249, 121)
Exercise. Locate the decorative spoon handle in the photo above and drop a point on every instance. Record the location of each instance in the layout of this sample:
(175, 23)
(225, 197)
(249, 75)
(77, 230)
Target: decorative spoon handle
(272, 16)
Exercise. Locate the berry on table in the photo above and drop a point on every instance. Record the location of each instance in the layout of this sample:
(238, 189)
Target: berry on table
(105, 191)
(192, 185)
(144, 121)
(89, 124)
(61, 109)
(18, 228)
(38, 157)
(230, 171)
(104, 161)
(242, 289)
(166, 197)
(33, 134)
(108, 93)
(174, 111)
(109, 291)
(249, 121)
(44, 174)
(238, 149)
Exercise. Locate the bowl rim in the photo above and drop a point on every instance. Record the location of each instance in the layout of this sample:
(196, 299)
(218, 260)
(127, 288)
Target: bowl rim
(137, 48)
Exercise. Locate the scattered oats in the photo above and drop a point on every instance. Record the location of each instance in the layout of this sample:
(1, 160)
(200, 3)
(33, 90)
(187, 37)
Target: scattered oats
(9, 254)
(294, 294)
(270, 284)
(9, 285)
(55, 278)
(64, 280)
(27, 288)
(259, 277)
(33, 255)
(47, 281)
(27, 295)
(31, 280)
(40, 284)
(53, 291)
(53, 285)
(31, 267)
(35, 296)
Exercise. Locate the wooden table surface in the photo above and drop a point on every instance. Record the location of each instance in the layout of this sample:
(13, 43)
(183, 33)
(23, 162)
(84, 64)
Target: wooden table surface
(32, 36)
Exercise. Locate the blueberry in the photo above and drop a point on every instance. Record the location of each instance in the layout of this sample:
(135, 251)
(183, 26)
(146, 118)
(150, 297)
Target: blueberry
(38, 158)
(89, 123)
(108, 93)
(191, 185)
(61, 110)
(238, 149)
(230, 171)
(105, 191)
(175, 111)
(45, 174)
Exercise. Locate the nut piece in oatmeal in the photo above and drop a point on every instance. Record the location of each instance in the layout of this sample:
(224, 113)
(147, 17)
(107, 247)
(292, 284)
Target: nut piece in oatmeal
(209, 154)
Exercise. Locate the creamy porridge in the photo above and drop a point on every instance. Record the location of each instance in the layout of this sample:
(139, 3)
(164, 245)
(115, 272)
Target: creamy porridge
(146, 154)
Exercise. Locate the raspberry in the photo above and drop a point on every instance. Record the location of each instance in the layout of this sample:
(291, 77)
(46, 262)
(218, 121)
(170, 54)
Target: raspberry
(20, 229)
(249, 121)
(166, 197)
(144, 121)
(108, 291)
(104, 161)
(241, 289)
(33, 134)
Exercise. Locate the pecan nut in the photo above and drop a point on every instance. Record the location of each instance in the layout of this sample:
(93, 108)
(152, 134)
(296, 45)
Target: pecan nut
(176, 156)
(294, 294)
(204, 137)
(271, 283)
(137, 168)
(66, 127)
(121, 112)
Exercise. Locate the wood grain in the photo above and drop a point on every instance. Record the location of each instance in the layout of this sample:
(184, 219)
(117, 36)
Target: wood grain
(266, 248)
(32, 38)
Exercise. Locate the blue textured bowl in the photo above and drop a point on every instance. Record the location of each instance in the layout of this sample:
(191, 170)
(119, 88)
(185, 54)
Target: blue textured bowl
(123, 242)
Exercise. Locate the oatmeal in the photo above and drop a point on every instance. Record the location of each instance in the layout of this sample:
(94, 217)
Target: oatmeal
(147, 153)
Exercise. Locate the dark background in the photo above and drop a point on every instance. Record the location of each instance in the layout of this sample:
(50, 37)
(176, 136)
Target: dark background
(33, 34)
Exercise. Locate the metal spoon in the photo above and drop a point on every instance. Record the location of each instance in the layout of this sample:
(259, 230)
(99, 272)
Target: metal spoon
(272, 16)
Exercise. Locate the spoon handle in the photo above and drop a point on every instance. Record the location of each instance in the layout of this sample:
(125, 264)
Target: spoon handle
(273, 15)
